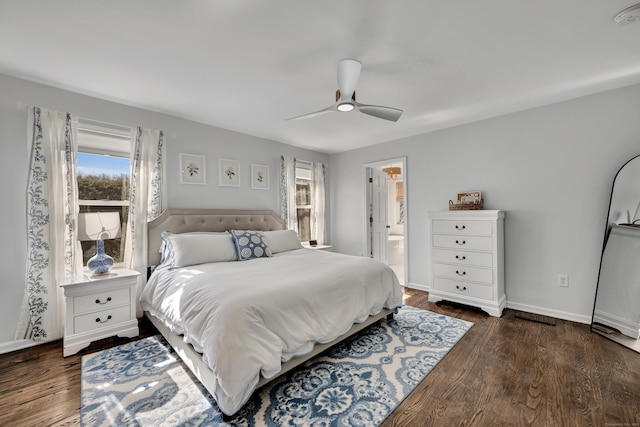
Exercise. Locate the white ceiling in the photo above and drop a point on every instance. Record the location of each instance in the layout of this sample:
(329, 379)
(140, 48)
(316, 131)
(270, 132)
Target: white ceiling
(247, 65)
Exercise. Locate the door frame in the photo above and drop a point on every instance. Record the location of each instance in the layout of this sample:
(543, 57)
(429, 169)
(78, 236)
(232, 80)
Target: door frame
(365, 211)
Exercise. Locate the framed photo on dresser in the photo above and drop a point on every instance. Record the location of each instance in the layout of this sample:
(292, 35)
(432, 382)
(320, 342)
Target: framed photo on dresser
(470, 197)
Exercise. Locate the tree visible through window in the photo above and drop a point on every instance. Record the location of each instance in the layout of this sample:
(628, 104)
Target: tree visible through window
(103, 172)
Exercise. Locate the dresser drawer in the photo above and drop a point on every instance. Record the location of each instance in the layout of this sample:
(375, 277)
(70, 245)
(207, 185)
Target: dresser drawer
(462, 227)
(463, 272)
(100, 319)
(100, 301)
(463, 242)
(459, 287)
(479, 259)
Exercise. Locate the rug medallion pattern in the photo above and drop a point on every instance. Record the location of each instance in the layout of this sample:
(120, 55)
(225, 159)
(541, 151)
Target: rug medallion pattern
(358, 382)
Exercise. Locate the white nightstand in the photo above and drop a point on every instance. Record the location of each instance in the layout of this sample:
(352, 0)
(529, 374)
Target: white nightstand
(99, 307)
(319, 247)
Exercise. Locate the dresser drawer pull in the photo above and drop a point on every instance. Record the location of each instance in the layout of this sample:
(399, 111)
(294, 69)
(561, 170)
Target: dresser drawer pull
(463, 242)
(103, 303)
(103, 321)
(461, 274)
(464, 288)
(461, 258)
(458, 227)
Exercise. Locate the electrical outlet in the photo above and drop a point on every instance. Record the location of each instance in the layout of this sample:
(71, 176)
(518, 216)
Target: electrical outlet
(563, 280)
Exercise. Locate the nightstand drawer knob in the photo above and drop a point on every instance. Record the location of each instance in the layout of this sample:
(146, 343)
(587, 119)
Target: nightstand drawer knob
(461, 242)
(462, 258)
(464, 288)
(461, 274)
(461, 227)
(102, 303)
(103, 321)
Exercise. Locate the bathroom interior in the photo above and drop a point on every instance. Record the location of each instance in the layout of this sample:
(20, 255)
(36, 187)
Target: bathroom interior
(396, 218)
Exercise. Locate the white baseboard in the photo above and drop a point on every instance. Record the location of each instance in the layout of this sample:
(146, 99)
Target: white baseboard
(573, 317)
(419, 287)
(8, 347)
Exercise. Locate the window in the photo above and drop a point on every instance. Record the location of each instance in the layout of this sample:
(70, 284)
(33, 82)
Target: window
(303, 200)
(103, 172)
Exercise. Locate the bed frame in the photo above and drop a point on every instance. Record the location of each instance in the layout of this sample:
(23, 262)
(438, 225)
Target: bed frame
(186, 220)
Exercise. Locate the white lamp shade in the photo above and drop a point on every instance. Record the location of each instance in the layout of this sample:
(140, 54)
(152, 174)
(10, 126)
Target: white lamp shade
(98, 225)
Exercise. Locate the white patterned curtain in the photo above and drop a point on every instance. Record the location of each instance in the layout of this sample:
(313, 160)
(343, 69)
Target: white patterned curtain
(53, 250)
(146, 200)
(317, 204)
(288, 192)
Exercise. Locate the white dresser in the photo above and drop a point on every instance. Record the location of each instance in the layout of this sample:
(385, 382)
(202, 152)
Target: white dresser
(99, 307)
(467, 258)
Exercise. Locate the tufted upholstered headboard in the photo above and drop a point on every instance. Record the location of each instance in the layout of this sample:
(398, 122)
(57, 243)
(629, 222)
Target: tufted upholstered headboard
(185, 220)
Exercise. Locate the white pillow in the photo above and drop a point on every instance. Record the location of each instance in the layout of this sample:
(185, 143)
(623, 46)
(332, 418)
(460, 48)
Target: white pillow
(198, 248)
(165, 250)
(282, 240)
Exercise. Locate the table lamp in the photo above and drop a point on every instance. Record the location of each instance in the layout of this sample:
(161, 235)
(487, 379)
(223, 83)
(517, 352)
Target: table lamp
(99, 226)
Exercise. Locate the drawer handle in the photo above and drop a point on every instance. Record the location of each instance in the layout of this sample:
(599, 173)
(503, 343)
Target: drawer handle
(103, 303)
(461, 274)
(464, 288)
(464, 242)
(462, 258)
(103, 321)
(458, 227)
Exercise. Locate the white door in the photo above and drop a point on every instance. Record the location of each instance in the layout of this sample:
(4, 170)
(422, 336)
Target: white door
(378, 221)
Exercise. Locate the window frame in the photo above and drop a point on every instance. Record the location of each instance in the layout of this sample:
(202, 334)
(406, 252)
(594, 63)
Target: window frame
(304, 177)
(105, 139)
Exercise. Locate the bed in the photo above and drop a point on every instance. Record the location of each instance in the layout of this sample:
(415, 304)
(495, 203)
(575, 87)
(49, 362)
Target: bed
(279, 304)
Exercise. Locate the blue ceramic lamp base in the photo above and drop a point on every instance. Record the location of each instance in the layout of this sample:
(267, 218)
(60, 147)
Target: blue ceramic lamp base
(100, 263)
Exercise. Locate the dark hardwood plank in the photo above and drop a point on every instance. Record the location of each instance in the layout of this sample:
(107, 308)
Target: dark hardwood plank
(504, 372)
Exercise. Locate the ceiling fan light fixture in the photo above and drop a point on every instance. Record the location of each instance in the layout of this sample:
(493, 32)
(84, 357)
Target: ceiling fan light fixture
(628, 15)
(345, 106)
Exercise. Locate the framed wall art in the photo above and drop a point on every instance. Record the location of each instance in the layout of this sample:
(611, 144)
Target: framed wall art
(259, 177)
(192, 169)
(229, 173)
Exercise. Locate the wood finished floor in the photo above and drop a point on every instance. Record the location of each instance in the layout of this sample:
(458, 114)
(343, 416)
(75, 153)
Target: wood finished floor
(504, 372)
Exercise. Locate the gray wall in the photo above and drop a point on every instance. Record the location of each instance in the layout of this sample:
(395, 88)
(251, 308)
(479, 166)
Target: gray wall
(183, 136)
(551, 170)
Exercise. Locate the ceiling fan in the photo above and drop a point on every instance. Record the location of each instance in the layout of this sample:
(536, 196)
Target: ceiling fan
(348, 74)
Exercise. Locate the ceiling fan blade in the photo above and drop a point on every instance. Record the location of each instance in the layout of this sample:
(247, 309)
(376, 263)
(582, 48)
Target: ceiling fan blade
(314, 114)
(387, 113)
(348, 75)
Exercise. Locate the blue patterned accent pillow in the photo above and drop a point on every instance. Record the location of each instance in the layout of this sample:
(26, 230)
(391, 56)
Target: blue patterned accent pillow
(250, 244)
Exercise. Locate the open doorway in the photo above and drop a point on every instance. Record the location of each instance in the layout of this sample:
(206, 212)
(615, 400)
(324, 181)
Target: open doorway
(385, 214)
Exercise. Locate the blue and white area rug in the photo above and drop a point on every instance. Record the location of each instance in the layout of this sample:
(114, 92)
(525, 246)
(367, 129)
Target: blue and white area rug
(359, 382)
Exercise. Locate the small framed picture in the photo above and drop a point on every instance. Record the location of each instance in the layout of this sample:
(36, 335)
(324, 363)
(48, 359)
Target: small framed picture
(229, 173)
(259, 177)
(470, 197)
(192, 169)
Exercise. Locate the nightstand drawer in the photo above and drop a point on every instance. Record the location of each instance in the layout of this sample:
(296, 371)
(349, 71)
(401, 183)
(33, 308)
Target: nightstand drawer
(466, 227)
(462, 272)
(100, 301)
(480, 259)
(463, 242)
(101, 319)
(459, 287)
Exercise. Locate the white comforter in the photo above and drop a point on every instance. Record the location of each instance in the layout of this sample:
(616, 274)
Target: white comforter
(246, 317)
